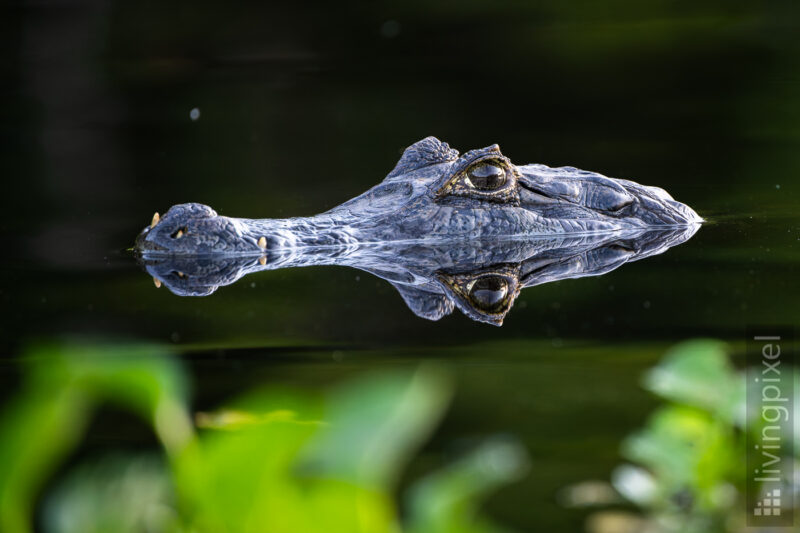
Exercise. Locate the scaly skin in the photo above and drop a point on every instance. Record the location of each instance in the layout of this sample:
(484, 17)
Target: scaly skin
(434, 195)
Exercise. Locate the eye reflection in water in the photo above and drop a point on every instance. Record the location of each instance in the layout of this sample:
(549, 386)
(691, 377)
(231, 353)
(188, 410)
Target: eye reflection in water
(488, 293)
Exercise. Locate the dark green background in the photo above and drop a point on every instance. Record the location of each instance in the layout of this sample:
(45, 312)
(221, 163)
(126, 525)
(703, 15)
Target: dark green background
(304, 106)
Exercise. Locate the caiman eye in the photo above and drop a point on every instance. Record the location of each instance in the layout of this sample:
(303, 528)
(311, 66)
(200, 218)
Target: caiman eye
(489, 293)
(485, 176)
(488, 178)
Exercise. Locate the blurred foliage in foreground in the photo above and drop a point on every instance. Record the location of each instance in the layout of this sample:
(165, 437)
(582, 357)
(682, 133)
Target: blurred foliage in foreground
(297, 461)
(274, 460)
(686, 472)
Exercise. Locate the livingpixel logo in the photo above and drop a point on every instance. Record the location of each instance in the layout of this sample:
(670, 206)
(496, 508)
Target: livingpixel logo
(770, 429)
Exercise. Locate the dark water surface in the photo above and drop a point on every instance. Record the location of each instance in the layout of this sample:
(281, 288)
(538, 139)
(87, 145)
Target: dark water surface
(301, 109)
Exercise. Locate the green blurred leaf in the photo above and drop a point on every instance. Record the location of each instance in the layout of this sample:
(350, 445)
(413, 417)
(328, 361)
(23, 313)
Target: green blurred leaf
(64, 384)
(274, 465)
(698, 373)
(447, 501)
(242, 476)
(139, 377)
(375, 424)
(36, 431)
(687, 450)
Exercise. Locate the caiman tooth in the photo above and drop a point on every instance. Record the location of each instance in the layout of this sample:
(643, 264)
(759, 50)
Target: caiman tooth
(157, 283)
(156, 218)
(262, 243)
(262, 260)
(179, 234)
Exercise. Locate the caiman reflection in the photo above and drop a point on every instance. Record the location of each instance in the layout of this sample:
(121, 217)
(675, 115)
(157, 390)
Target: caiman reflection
(481, 278)
(447, 230)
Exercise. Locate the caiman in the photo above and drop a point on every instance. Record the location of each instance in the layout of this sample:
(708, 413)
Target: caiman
(434, 194)
(446, 230)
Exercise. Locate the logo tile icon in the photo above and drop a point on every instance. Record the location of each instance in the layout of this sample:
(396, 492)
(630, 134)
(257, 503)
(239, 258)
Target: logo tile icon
(770, 505)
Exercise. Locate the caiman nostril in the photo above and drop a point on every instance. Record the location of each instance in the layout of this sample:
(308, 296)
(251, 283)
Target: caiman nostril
(617, 247)
(617, 208)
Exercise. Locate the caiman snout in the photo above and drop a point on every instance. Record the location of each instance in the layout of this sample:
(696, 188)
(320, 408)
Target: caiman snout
(196, 229)
(588, 197)
(655, 207)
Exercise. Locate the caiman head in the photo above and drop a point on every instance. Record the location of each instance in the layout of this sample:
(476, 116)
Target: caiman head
(434, 193)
